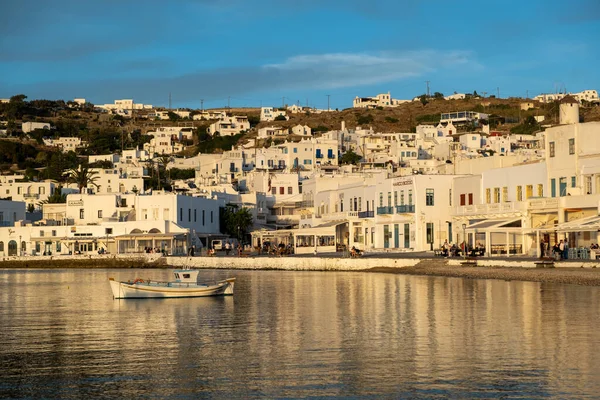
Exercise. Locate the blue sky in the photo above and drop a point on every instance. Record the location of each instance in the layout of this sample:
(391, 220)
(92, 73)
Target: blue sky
(263, 52)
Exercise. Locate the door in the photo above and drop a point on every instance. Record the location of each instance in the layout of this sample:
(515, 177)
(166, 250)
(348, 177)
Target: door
(386, 236)
(406, 236)
(396, 235)
(12, 248)
(563, 186)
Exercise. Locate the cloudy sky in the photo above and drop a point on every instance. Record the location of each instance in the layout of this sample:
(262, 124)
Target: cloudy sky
(265, 52)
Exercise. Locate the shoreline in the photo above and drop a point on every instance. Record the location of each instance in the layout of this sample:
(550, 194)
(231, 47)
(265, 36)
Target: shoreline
(570, 272)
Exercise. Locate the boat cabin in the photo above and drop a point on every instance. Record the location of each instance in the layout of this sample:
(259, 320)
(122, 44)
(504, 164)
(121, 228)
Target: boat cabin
(186, 275)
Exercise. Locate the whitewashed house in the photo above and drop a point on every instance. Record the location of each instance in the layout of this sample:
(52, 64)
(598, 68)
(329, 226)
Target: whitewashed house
(229, 126)
(268, 114)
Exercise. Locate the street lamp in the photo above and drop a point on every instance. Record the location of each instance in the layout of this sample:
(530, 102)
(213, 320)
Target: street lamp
(464, 226)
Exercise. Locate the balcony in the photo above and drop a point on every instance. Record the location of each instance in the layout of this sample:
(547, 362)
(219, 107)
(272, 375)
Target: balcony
(340, 216)
(31, 196)
(407, 208)
(366, 214)
(385, 210)
(487, 209)
(543, 204)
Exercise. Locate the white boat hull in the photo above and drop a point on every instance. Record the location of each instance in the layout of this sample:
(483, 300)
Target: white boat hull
(146, 290)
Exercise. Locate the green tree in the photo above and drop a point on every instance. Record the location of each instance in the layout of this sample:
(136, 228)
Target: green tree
(350, 157)
(83, 177)
(236, 221)
(423, 100)
(438, 95)
(280, 118)
(55, 198)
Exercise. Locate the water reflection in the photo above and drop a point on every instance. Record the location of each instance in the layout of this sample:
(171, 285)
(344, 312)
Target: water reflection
(297, 334)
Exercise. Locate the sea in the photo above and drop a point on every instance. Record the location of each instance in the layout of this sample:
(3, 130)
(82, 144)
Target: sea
(297, 335)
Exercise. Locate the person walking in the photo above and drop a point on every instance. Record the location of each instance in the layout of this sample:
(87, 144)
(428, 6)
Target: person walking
(542, 247)
(561, 249)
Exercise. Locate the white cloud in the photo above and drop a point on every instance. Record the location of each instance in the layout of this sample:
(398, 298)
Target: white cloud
(335, 70)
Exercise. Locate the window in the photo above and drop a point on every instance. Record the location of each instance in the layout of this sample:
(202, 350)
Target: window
(395, 198)
(389, 202)
(99, 213)
(1, 216)
(540, 190)
(573, 181)
(402, 198)
(588, 185)
(572, 146)
(410, 197)
(380, 199)
(470, 199)
(553, 187)
(41, 233)
(282, 190)
(53, 232)
(429, 197)
(505, 194)
(519, 193)
(1, 246)
(81, 213)
(181, 213)
(195, 215)
(189, 215)
(273, 190)
(551, 149)
(463, 199)
(528, 191)
(290, 190)
(488, 195)
(360, 204)
(211, 216)
(496, 195)
(430, 232)
(203, 217)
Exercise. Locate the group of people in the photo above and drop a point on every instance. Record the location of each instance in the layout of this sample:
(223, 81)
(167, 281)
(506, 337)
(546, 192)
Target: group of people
(560, 250)
(452, 250)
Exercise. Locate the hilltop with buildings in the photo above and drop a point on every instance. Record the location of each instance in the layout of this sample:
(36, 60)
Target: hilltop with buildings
(384, 175)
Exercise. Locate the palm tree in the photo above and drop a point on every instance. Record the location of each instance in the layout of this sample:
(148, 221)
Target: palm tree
(83, 177)
(164, 160)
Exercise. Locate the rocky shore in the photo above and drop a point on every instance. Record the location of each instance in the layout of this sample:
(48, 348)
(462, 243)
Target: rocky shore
(572, 276)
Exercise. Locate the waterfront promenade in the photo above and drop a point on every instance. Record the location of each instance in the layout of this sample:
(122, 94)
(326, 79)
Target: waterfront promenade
(506, 268)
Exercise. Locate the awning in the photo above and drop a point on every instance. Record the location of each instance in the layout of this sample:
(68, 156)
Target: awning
(489, 224)
(586, 224)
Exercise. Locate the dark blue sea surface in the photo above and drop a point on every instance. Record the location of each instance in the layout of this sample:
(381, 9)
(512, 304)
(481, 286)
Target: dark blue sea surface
(297, 335)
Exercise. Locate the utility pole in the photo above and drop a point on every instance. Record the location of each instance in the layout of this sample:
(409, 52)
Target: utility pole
(498, 92)
(283, 102)
(527, 94)
(427, 82)
(201, 104)
(328, 108)
(228, 102)
(169, 101)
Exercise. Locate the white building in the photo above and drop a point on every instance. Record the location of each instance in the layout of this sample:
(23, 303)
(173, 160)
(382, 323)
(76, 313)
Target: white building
(589, 95)
(271, 131)
(230, 126)
(302, 130)
(32, 193)
(207, 115)
(268, 114)
(27, 127)
(66, 144)
(456, 96)
(381, 100)
(462, 117)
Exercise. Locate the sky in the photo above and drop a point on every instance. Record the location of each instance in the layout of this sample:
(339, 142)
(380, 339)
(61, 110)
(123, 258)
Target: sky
(318, 53)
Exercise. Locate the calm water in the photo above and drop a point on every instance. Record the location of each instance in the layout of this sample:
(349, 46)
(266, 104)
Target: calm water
(297, 334)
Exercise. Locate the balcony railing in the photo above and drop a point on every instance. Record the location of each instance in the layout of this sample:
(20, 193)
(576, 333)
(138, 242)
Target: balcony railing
(366, 214)
(385, 210)
(494, 208)
(406, 208)
(31, 196)
(536, 204)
